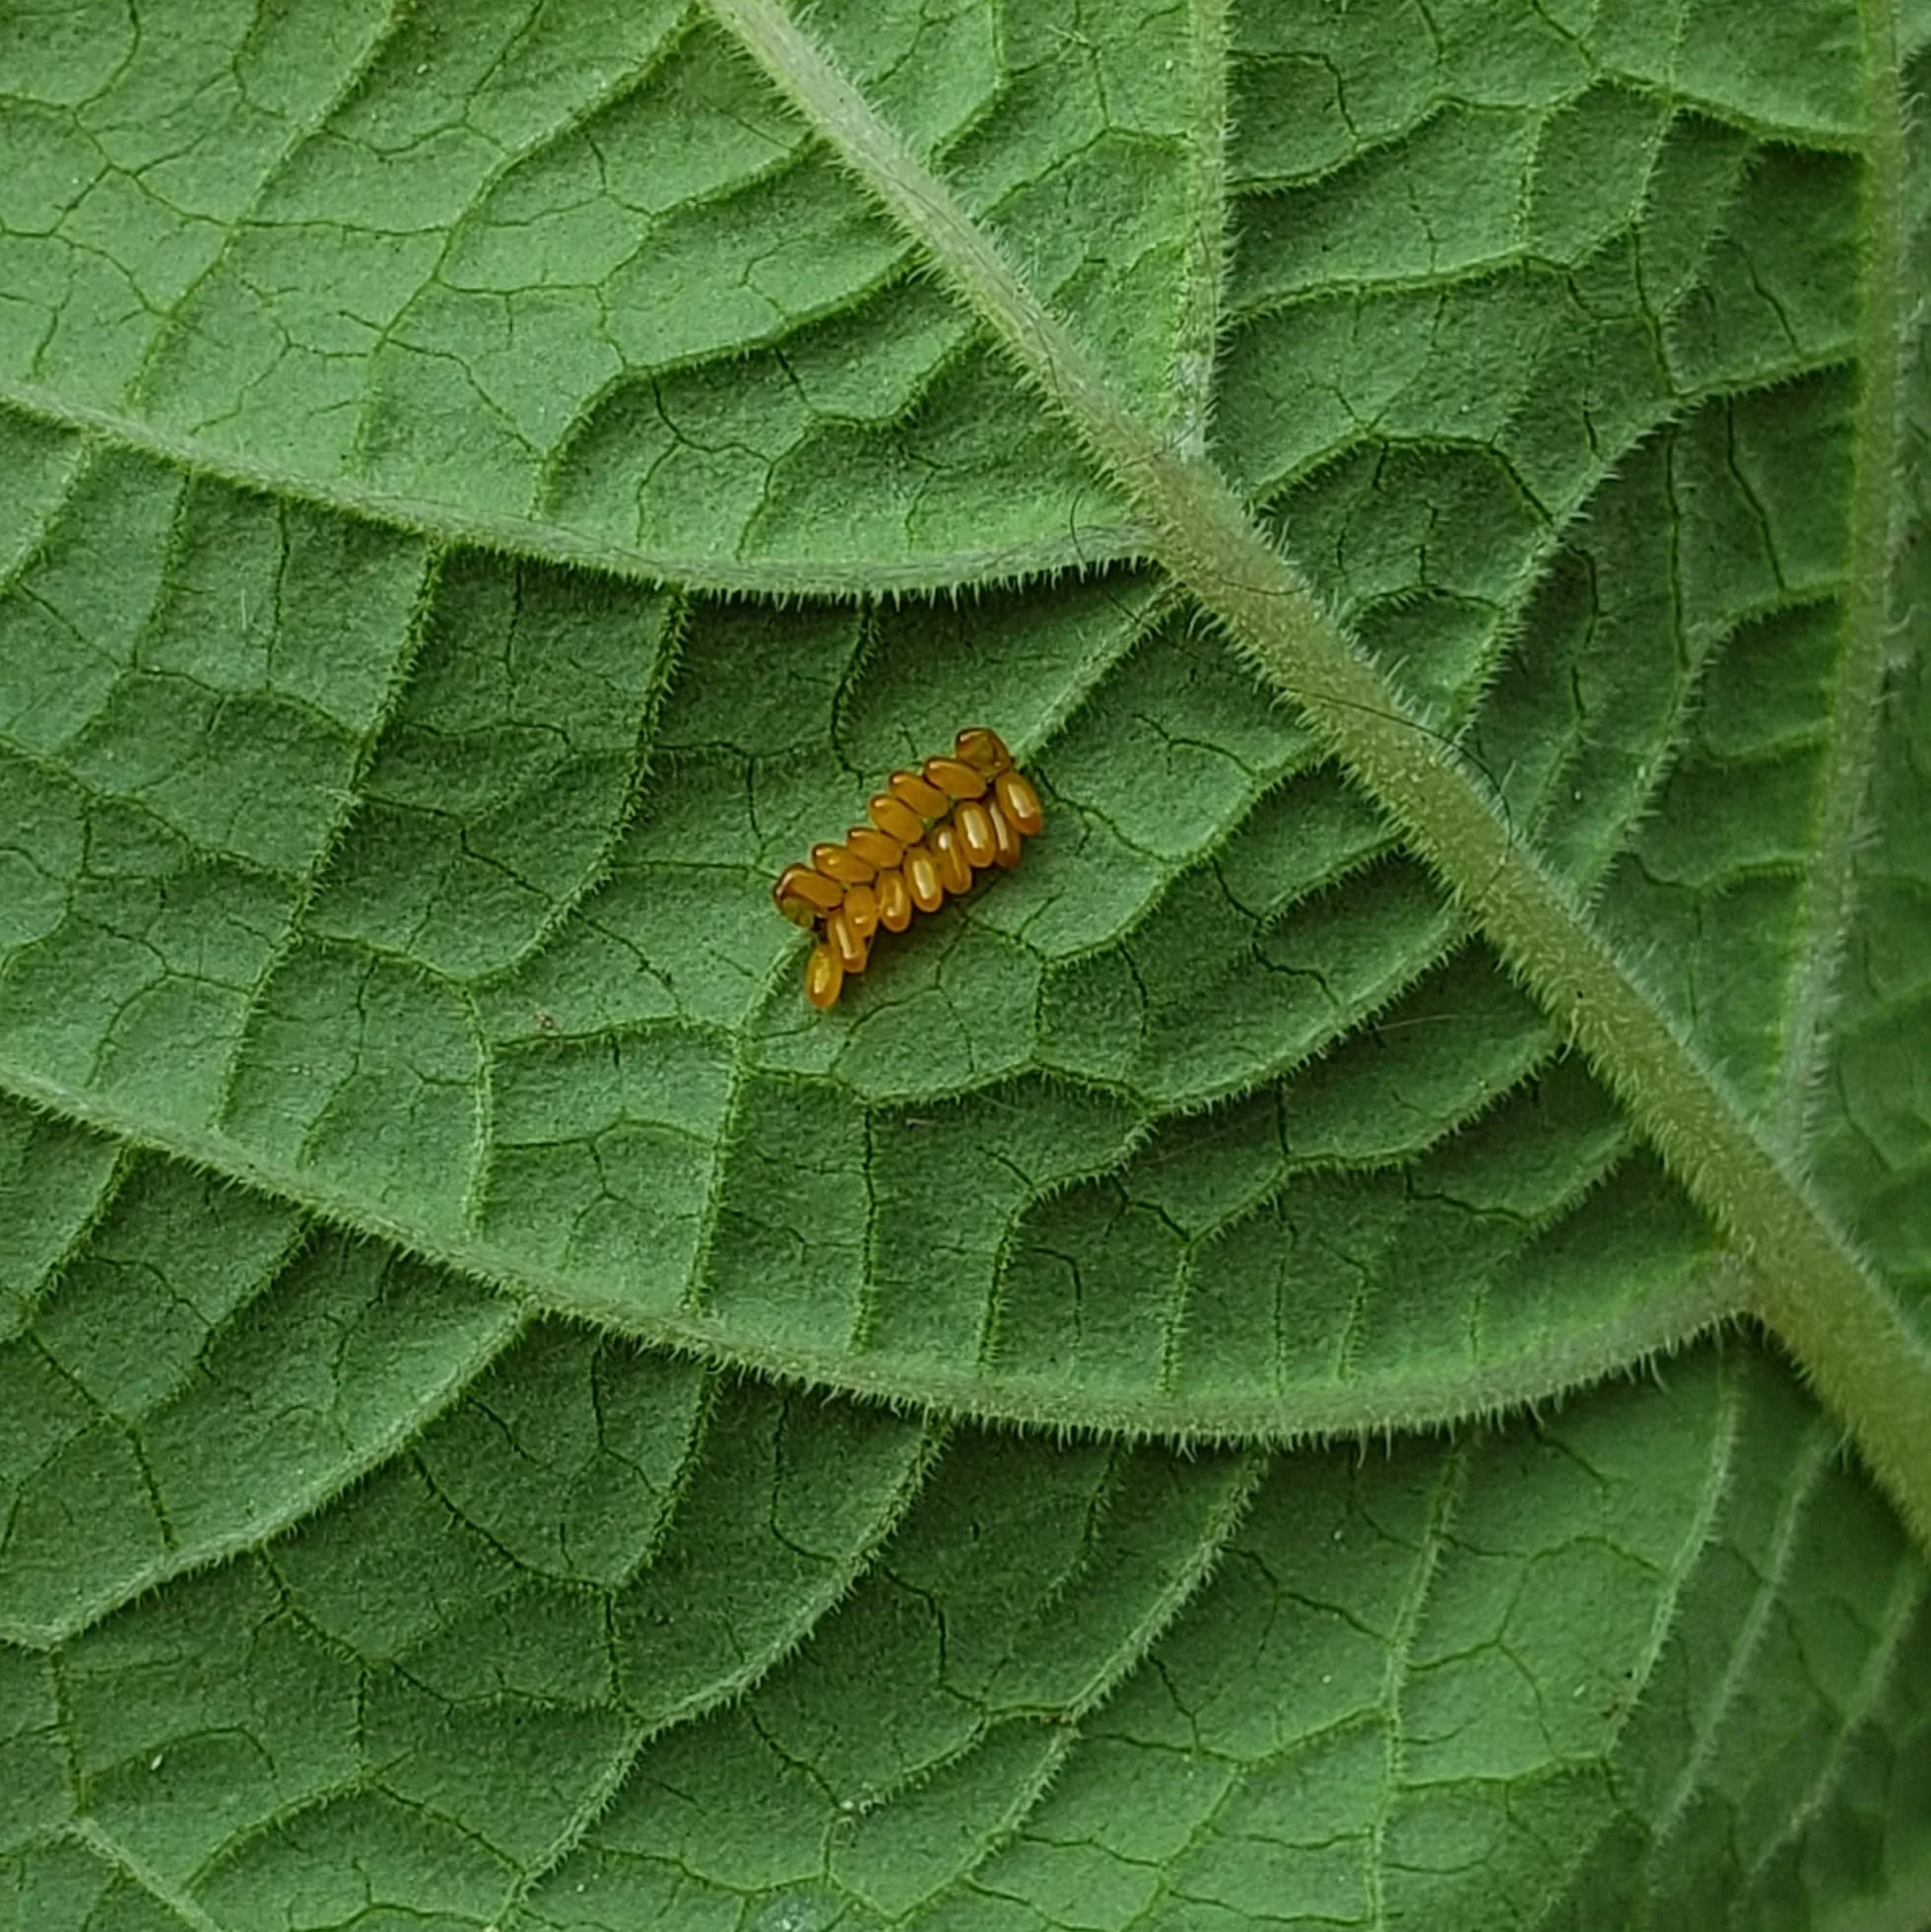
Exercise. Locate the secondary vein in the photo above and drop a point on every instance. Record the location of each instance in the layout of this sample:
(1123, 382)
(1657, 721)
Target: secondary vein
(1830, 881)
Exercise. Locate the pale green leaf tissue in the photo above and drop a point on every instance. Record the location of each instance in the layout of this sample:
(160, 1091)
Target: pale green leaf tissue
(1349, 1347)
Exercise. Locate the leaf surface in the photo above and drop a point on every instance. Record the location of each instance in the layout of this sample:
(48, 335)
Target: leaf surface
(488, 488)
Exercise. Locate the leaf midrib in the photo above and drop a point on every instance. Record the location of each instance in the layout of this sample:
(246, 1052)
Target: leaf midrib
(1807, 1282)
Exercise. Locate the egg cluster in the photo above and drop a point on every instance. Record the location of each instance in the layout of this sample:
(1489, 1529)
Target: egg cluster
(930, 831)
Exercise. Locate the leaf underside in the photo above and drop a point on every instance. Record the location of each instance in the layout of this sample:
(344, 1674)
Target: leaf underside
(1188, 1400)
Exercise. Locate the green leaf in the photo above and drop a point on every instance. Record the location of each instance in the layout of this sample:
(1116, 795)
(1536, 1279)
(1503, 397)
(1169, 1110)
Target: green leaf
(1287, 1364)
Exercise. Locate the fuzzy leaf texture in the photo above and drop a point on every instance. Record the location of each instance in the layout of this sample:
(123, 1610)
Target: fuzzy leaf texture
(1351, 1346)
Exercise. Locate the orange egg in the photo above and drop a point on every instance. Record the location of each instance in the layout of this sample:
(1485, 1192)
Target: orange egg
(896, 819)
(955, 777)
(955, 868)
(1019, 803)
(922, 879)
(824, 976)
(924, 797)
(975, 822)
